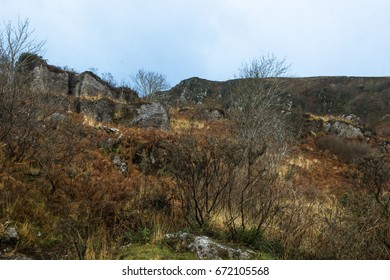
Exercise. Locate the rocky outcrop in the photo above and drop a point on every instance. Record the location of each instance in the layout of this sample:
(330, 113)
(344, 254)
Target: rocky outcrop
(196, 91)
(95, 98)
(101, 110)
(50, 79)
(88, 84)
(343, 130)
(205, 248)
(365, 97)
(147, 115)
(345, 126)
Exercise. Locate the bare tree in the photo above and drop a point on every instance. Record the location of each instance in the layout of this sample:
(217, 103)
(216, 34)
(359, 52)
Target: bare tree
(266, 66)
(109, 78)
(16, 40)
(19, 108)
(148, 83)
(263, 136)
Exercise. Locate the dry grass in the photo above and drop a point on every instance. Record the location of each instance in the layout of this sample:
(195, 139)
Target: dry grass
(182, 124)
(102, 210)
(327, 118)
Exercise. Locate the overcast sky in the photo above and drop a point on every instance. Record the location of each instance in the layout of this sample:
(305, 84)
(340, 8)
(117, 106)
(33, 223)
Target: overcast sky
(210, 38)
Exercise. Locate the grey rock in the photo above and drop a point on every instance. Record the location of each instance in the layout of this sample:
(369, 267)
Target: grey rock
(50, 79)
(343, 130)
(120, 164)
(11, 235)
(353, 118)
(110, 130)
(88, 84)
(205, 248)
(57, 117)
(101, 110)
(151, 115)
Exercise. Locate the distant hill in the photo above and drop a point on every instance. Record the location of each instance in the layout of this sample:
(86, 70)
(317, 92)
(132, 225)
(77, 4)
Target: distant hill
(365, 97)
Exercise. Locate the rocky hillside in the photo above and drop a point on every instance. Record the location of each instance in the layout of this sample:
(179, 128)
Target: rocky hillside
(98, 101)
(90, 171)
(366, 97)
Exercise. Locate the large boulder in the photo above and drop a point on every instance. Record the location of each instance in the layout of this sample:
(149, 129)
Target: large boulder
(11, 235)
(145, 115)
(205, 248)
(347, 127)
(101, 110)
(344, 130)
(88, 84)
(50, 79)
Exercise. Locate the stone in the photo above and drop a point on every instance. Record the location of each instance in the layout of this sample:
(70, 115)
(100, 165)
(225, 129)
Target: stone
(88, 84)
(343, 130)
(151, 115)
(11, 235)
(120, 164)
(110, 130)
(205, 248)
(101, 110)
(57, 117)
(50, 79)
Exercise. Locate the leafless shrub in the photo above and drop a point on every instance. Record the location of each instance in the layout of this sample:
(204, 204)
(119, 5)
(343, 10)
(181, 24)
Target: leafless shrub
(21, 111)
(203, 169)
(265, 66)
(148, 83)
(359, 226)
(263, 139)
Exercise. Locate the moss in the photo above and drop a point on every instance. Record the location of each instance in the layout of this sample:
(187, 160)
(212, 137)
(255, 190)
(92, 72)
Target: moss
(153, 252)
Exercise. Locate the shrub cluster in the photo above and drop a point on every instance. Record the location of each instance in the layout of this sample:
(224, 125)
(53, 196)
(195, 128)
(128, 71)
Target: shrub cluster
(346, 151)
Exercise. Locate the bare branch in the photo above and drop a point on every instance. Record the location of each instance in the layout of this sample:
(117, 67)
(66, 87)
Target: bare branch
(268, 66)
(15, 41)
(148, 83)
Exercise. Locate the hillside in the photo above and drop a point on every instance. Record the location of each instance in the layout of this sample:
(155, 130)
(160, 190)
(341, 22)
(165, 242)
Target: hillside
(90, 171)
(366, 97)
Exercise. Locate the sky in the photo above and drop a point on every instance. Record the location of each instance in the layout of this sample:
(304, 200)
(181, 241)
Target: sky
(209, 38)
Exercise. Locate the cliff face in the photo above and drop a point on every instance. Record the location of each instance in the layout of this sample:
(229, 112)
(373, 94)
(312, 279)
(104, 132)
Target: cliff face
(88, 94)
(50, 79)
